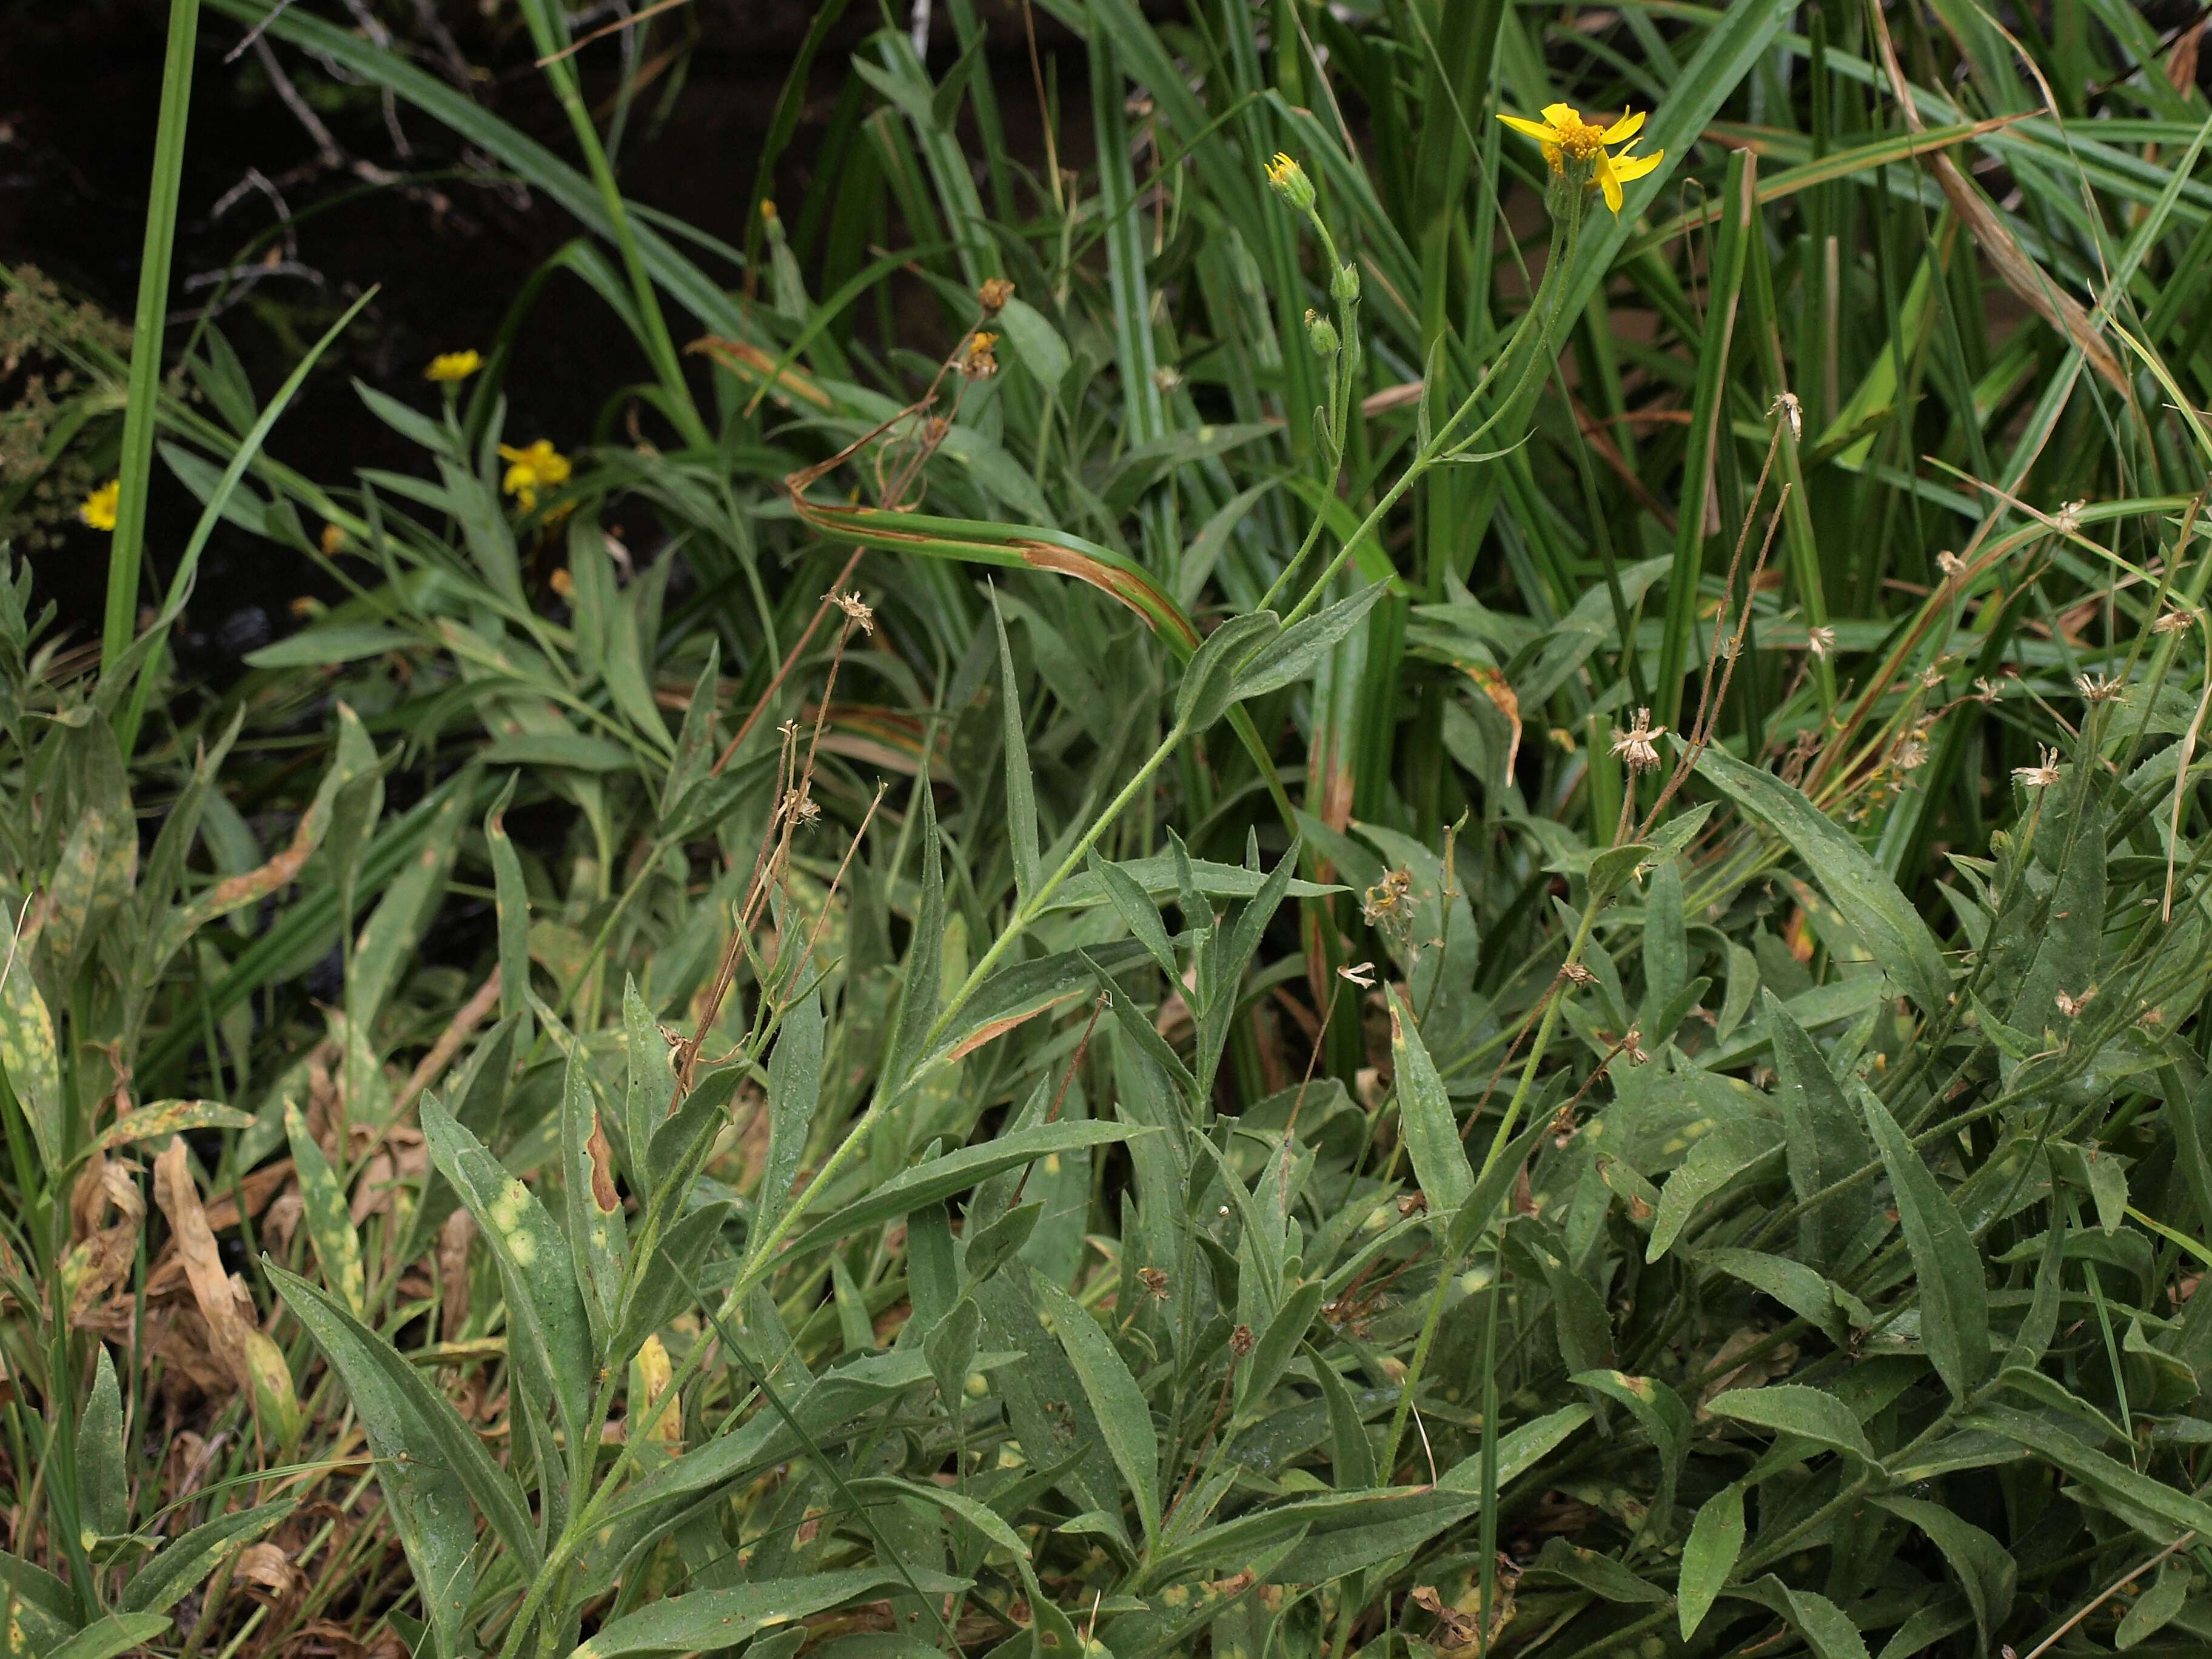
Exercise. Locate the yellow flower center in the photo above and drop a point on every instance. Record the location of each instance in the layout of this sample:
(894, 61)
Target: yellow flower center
(1580, 140)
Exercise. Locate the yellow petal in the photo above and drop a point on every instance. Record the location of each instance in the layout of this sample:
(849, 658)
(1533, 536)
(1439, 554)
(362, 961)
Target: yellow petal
(1560, 115)
(1631, 124)
(1608, 183)
(1536, 130)
(1629, 168)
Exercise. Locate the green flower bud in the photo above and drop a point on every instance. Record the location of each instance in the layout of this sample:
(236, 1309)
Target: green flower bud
(1322, 333)
(1344, 286)
(1290, 182)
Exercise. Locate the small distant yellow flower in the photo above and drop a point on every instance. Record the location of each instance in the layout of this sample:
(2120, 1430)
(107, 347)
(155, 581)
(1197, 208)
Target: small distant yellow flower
(539, 467)
(1567, 139)
(98, 507)
(333, 541)
(451, 367)
(563, 583)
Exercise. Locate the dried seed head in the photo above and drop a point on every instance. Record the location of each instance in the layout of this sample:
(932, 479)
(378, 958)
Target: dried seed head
(1632, 1046)
(1360, 974)
(2071, 1006)
(1240, 1340)
(1820, 641)
(2042, 775)
(1575, 974)
(851, 605)
(2067, 520)
(1786, 404)
(1637, 745)
(2096, 688)
(2173, 621)
(1386, 900)
(1155, 1282)
(1166, 378)
(801, 808)
(993, 295)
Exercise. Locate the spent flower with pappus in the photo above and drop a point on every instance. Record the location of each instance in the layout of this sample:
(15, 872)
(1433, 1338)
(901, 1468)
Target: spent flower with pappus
(98, 509)
(1581, 151)
(451, 367)
(531, 469)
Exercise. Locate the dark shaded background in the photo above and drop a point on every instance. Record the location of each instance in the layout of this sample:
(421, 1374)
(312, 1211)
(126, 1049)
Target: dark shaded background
(80, 85)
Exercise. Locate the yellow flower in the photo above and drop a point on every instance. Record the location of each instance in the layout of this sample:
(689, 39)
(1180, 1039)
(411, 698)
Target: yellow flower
(98, 507)
(540, 466)
(452, 366)
(1567, 139)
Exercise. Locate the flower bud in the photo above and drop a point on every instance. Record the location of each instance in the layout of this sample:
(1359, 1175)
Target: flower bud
(1344, 286)
(1322, 333)
(1290, 183)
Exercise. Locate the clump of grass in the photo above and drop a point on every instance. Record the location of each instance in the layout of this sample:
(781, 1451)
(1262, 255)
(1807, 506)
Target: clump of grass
(1524, 972)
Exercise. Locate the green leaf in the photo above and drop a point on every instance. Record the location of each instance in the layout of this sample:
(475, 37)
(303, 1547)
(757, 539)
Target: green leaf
(1984, 1568)
(117, 1633)
(950, 1347)
(1826, 1628)
(29, 1060)
(1135, 908)
(512, 896)
(103, 1485)
(548, 1333)
(1861, 891)
(1271, 1354)
(1719, 1158)
(1021, 792)
(1613, 869)
(650, 1088)
(328, 1216)
(169, 1117)
(1293, 655)
(598, 1238)
(712, 1620)
(1954, 1299)
(678, 1263)
(1709, 1556)
(1824, 1141)
(1209, 688)
(1812, 1414)
(2154, 1609)
(1124, 1421)
(957, 1171)
(180, 1566)
(1424, 1113)
(794, 1091)
(335, 642)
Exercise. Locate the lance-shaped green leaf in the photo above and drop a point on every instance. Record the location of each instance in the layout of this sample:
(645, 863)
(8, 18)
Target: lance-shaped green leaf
(1021, 792)
(1812, 1414)
(711, 1620)
(1954, 1298)
(1984, 1568)
(329, 1218)
(1124, 1420)
(598, 1238)
(30, 1060)
(1824, 1139)
(1709, 1556)
(103, 1485)
(1292, 655)
(182, 1564)
(548, 1333)
(117, 1633)
(169, 1117)
(957, 1171)
(794, 1090)
(1857, 886)
(1424, 1117)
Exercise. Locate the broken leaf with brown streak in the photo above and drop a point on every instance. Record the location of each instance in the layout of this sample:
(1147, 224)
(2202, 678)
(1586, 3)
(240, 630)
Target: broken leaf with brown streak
(599, 1241)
